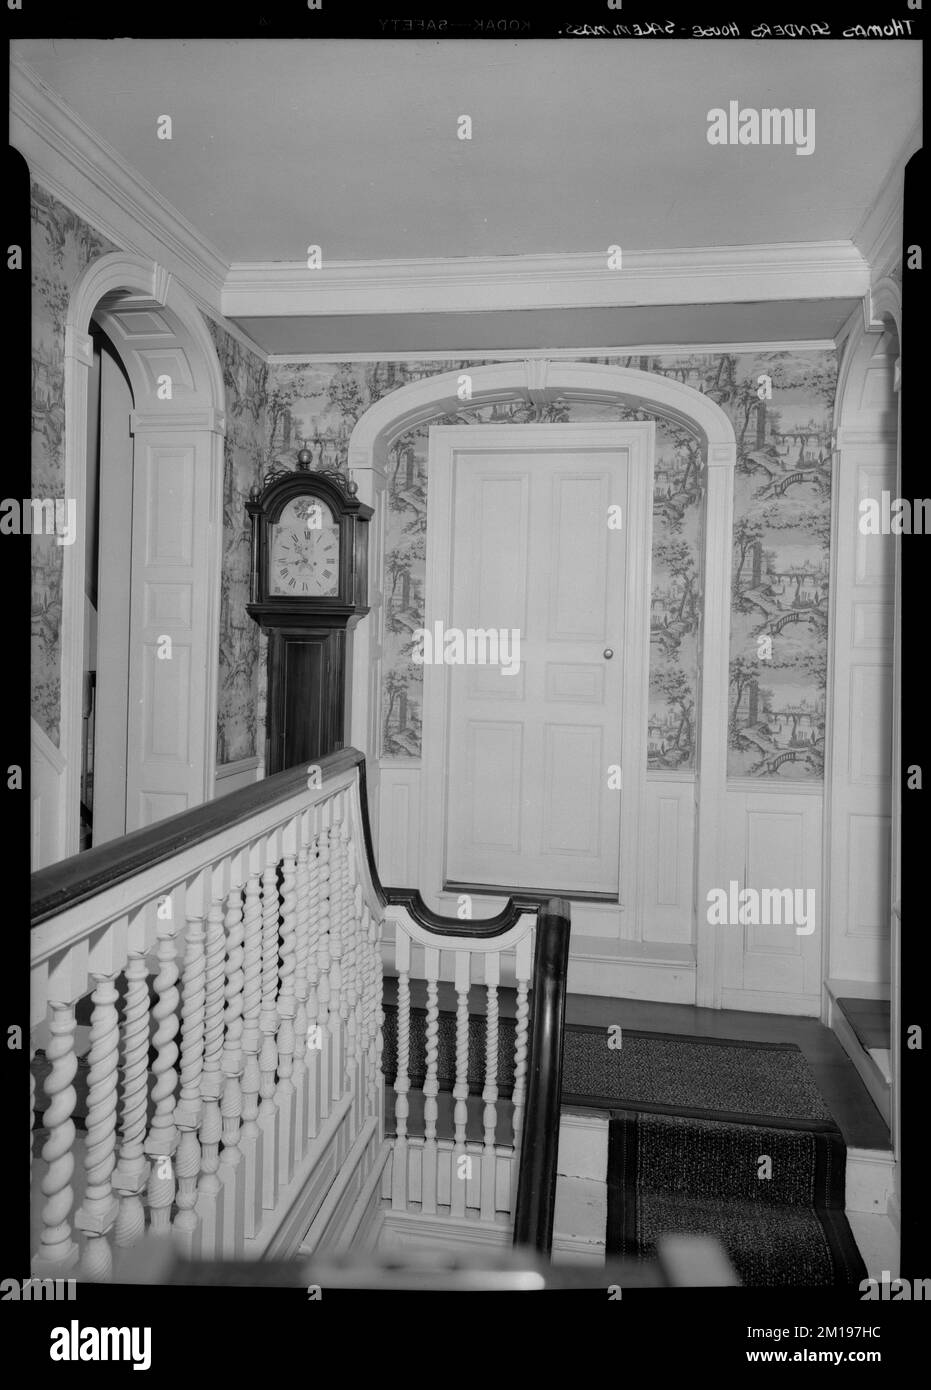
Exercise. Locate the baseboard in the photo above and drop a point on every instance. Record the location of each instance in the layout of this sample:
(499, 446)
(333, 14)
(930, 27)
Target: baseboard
(758, 1001)
(595, 967)
(870, 1181)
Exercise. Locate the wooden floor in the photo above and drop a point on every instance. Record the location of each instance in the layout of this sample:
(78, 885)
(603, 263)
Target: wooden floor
(838, 1080)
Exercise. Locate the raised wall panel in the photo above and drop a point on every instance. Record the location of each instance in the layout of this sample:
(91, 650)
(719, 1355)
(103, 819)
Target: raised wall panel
(398, 848)
(870, 711)
(668, 912)
(773, 843)
(166, 725)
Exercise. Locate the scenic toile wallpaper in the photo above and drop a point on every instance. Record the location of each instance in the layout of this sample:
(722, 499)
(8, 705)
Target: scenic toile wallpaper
(781, 407)
(63, 246)
(782, 501)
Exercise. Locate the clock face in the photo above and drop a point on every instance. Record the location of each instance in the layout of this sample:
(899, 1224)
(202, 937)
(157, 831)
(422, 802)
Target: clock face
(303, 551)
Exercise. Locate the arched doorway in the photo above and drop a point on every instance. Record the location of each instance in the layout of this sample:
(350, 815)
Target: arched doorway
(541, 381)
(174, 550)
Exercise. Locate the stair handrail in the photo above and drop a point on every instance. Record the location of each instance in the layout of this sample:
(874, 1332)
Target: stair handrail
(536, 1181)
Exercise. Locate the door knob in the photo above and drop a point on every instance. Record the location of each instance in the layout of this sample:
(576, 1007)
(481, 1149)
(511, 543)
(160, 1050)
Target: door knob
(608, 653)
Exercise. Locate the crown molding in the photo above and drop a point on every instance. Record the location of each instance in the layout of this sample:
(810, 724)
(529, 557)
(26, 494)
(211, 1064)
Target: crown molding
(879, 235)
(554, 354)
(77, 166)
(688, 275)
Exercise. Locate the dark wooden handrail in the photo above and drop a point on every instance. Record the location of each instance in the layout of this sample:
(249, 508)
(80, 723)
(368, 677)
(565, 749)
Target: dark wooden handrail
(73, 880)
(536, 1178)
(82, 876)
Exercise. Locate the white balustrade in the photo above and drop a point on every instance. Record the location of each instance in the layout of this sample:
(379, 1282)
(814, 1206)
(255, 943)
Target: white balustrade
(234, 1046)
(448, 1174)
(234, 1060)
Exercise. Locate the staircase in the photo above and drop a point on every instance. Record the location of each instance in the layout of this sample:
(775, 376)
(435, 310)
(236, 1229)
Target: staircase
(206, 1037)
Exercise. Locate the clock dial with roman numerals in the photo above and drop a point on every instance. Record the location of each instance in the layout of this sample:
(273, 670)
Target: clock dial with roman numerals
(303, 551)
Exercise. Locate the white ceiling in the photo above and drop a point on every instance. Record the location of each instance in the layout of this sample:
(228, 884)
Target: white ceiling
(352, 144)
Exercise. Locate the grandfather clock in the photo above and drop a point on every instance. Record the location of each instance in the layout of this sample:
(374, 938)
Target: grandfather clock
(308, 590)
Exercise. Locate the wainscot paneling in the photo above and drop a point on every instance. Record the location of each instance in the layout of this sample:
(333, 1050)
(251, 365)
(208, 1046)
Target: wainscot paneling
(772, 841)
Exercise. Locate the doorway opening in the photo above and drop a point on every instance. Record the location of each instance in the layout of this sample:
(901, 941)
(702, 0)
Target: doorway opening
(107, 588)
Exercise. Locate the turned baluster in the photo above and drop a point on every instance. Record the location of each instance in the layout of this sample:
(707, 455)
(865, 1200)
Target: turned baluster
(132, 1170)
(431, 1085)
(337, 991)
(490, 1090)
(460, 1169)
(323, 968)
(162, 1138)
(250, 1134)
(523, 966)
(299, 1074)
(211, 1077)
(314, 1029)
(287, 1008)
(287, 998)
(97, 1213)
(268, 1020)
(32, 1105)
(251, 1007)
(377, 1081)
(350, 997)
(188, 1109)
(57, 1251)
(402, 1084)
(232, 1057)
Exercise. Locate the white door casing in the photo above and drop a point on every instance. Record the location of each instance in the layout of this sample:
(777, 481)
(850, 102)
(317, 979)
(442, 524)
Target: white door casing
(541, 381)
(546, 470)
(158, 332)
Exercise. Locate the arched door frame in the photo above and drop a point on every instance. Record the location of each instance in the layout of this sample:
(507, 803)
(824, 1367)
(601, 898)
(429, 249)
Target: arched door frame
(157, 330)
(542, 381)
(857, 429)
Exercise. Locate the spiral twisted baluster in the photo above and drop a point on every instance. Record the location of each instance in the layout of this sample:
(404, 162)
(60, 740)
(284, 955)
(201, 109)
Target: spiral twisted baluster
(98, 1210)
(251, 1007)
(132, 1170)
(188, 1110)
(211, 1079)
(57, 1251)
(287, 999)
(268, 1019)
(231, 1060)
(162, 1138)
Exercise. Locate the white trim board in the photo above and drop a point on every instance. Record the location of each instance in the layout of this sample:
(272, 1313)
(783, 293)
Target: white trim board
(555, 354)
(472, 284)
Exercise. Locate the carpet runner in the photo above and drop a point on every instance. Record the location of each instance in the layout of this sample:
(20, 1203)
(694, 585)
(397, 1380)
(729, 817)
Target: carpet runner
(706, 1135)
(774, 1196)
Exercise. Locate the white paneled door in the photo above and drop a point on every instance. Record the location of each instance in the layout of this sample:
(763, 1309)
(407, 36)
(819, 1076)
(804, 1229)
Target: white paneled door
(537, 574)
